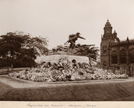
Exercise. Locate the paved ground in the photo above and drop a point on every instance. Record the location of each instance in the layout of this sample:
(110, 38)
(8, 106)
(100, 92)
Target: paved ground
(13, 89)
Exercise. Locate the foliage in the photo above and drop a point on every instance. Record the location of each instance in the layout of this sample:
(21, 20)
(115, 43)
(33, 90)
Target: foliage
(37, 44)
(21, 49)
(3, 62)
(10, 44)
(59, 47)
(88, 50)
(54, 49)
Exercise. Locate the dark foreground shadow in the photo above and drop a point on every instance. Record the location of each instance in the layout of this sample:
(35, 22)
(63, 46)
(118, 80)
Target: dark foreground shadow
(123, 91)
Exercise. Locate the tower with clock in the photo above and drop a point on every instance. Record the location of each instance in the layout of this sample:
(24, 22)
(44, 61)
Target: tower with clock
(114, 52)
(105, 44)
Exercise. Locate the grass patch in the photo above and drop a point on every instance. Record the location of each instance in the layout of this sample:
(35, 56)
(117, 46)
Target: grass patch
(86, 92)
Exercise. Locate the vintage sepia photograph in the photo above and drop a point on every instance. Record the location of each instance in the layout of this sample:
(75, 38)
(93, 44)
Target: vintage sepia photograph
(66, 51)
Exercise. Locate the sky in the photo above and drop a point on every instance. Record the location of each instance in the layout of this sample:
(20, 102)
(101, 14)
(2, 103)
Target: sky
(57, 19)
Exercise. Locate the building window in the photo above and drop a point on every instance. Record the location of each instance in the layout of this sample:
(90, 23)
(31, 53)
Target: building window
(114, 57)
(131, 58)
(104, 63)
(104, 49)
(122, 57)
(131, 52)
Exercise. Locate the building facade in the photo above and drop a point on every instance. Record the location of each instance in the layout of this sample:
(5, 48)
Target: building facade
(116, 53)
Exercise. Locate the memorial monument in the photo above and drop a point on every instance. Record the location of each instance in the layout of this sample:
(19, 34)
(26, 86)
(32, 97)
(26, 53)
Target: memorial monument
(72, 39)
